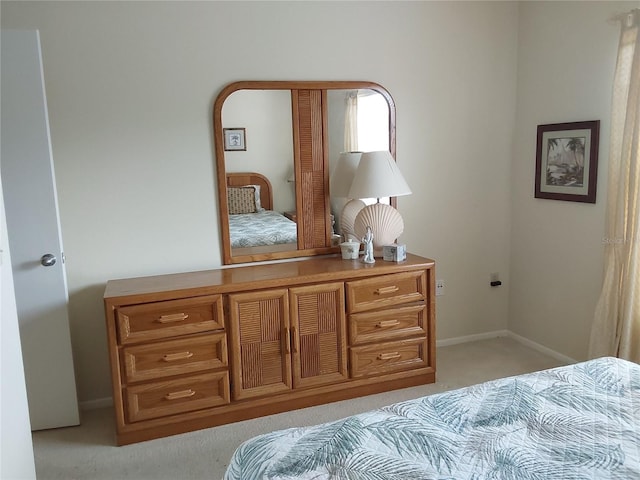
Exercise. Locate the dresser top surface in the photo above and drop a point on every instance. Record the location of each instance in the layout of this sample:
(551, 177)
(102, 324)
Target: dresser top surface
(268, 275)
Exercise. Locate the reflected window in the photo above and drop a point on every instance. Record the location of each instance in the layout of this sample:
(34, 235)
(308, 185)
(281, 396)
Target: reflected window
(373, 134)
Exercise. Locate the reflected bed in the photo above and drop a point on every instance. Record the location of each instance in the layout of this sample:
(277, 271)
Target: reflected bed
(252, 221)
(261, 228)
(576, 422)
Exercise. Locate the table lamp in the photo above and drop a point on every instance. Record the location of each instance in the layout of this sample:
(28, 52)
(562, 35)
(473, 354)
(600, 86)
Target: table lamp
(378, 176)
(341, 181)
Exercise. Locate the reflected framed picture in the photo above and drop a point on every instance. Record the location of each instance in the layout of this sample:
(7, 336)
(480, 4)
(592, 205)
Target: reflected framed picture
(234, 139)
(567, 161)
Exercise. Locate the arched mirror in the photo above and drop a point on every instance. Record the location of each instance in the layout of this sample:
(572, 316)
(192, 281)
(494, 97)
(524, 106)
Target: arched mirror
(276, 144)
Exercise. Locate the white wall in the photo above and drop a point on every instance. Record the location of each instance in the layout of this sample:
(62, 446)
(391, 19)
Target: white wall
(16, 447)
(131, 86)
(566, 63)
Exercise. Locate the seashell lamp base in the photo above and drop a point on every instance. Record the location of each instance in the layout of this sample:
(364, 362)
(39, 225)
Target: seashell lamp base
(385, 222)
(348, 217)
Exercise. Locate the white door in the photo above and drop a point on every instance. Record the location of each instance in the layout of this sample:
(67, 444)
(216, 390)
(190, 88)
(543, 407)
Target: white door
(33, 228)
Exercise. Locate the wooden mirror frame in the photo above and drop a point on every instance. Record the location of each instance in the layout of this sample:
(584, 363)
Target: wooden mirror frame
(311, 162)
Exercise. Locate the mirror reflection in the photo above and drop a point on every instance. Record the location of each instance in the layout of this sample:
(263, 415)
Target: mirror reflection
(266, 183)
(257, 226)
(358, 122)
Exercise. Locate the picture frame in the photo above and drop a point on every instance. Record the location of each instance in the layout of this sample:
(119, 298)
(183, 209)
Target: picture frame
(234, 139)
(567, 161)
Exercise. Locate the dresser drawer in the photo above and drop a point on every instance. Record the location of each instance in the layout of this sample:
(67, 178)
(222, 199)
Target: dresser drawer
(388, 357)
(155, 320)
(386, 290)
(175, 357)
(161, 399)
(392, 323)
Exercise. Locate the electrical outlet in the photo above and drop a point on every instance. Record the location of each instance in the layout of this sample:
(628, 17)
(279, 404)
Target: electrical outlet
(439, 287)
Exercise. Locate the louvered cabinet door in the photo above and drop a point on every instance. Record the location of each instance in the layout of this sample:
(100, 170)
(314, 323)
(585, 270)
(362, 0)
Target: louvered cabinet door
(260, 343)
(318, 335)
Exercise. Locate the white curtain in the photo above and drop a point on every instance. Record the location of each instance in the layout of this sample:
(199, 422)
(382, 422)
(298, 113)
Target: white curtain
(351, 123)
(616, 326)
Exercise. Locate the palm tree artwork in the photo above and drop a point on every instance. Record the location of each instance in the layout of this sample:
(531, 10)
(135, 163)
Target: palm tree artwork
(565, 161)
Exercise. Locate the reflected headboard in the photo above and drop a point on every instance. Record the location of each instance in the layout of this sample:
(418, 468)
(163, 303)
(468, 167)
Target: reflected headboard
(240, 179)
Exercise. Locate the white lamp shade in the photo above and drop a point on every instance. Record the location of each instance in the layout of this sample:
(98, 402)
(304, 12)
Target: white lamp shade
(343, 174)
(378, 176)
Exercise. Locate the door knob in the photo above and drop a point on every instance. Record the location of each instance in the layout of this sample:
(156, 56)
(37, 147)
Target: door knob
(48, 260)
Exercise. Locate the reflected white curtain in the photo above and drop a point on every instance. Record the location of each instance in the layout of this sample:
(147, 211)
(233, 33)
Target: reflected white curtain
(351, 122)
(616, 326)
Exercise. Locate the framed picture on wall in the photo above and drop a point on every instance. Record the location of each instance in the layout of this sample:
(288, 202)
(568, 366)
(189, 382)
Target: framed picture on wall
(567, 161)
(234, 139)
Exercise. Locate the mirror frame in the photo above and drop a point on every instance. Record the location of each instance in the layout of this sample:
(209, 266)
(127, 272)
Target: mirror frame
(293, 86)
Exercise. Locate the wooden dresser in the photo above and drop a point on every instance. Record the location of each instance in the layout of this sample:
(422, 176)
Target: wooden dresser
(196, 350)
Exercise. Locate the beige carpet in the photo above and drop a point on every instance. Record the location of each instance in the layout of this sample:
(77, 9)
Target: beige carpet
(88, 451)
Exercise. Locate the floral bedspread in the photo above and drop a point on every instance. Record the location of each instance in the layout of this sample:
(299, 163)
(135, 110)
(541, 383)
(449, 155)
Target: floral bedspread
(263, 228)
(576, 422)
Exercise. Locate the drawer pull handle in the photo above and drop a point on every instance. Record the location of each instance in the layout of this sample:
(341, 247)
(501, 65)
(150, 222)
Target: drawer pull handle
(174, 317)
(295, 340)
(385, 290)
(181, 394)
(387, 323)
(172, 357)
(388, 356)
(287, 341)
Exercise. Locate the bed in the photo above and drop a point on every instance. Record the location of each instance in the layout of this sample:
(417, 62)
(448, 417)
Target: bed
(252, 221)
(572, 423)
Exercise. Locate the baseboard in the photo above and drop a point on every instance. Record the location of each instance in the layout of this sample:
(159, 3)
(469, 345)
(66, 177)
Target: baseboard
(108, 401)
(541, 348)
(472, 338)
(506, 333)
(96, 404)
